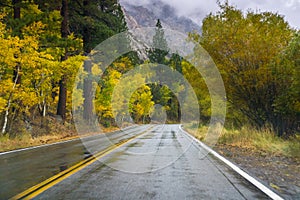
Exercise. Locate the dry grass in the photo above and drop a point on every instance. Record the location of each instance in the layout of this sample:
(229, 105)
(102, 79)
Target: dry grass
(263, 141)
(199, 133)
(25, 140)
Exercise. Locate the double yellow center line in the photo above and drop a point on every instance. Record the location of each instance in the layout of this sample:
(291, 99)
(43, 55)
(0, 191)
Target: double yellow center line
(43, 186)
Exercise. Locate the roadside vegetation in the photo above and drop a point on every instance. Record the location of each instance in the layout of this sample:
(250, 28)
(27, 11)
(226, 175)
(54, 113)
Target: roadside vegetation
(263, 141)
(55, 132)
(258, 55)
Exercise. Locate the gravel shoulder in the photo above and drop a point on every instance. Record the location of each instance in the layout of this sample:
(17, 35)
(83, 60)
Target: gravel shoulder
(280, 173)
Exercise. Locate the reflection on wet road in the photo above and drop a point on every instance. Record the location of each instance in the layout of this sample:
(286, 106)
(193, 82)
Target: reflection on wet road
(24, 169)
(163, 163)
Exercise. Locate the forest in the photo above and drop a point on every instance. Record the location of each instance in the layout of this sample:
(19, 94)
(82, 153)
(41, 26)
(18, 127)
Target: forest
(45, 43)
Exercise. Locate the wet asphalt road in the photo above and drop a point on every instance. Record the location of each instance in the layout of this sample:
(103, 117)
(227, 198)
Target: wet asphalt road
(163, 163)
(23, 169)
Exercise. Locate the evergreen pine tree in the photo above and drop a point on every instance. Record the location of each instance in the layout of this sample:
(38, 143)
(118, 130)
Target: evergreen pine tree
(95, 21)
(158, 53)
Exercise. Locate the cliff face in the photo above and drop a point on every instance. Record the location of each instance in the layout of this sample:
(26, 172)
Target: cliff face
(146, 16)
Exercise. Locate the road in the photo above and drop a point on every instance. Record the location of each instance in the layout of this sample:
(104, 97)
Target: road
(161, 163)
(23, 169)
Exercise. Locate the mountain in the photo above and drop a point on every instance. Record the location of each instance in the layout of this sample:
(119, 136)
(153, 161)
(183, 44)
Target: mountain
(146, 16)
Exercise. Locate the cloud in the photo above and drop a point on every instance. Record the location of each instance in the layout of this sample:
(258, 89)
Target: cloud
(187, 7)
(287, 8)
(194, 9)
(198, 9)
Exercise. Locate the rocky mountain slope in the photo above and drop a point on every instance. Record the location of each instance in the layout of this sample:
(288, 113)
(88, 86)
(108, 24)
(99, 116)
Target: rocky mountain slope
(146, 16)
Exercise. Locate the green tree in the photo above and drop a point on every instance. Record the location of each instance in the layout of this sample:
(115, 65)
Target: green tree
(158, 56)
(243, 46)
(285, 70)
(34, 46)
(159, 51)
(197, 82)
(94, 21)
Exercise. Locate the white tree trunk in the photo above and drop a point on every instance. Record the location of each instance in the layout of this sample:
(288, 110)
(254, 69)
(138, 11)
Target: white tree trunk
(9, 103)
(6, 117)
(44, 108)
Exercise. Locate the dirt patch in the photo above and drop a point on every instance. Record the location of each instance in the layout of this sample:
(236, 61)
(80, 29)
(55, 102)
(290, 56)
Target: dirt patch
(278, 172)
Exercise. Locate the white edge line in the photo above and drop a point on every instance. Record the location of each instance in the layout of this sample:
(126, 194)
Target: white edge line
(56, 143)
(35, 147)
(249, 178)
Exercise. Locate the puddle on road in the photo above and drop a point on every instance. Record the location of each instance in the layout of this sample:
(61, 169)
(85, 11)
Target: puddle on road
(63, 168)
(135, 144)
(173, 135)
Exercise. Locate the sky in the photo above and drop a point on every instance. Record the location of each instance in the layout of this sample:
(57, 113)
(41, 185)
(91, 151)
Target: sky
(198, 9)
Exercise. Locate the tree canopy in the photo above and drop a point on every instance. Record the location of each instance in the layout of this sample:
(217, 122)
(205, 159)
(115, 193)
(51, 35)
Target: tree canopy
(253, 53)
(45, 44)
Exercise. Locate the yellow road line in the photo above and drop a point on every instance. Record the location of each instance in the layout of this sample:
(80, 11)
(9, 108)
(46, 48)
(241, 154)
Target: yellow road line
(43, 186)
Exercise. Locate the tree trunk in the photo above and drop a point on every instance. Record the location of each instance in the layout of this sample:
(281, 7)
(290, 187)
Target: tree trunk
(17, 16)
(6, 116)
(44, 108)
(9, 104)
(64, 12)
(17, 9)
(178, 112)
(143, 121)
(62, 101)
(87, 92)
(86, 33)
(87, 87)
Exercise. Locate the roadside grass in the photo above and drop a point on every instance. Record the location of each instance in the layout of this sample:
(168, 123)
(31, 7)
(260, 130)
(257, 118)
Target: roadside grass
(199, 133)
(262, 141)
(25, 139)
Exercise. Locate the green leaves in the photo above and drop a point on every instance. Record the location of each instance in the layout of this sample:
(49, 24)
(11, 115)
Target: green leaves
(95, 21)
(160, 46)
(245, 48)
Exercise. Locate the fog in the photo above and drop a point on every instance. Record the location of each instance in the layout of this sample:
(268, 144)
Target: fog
(198, 9)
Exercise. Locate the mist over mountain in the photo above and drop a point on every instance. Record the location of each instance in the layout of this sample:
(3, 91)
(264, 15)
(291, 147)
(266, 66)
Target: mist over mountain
(197, 10)
(145, 14)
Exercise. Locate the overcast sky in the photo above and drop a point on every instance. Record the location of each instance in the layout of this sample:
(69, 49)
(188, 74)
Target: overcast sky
(191, 8)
